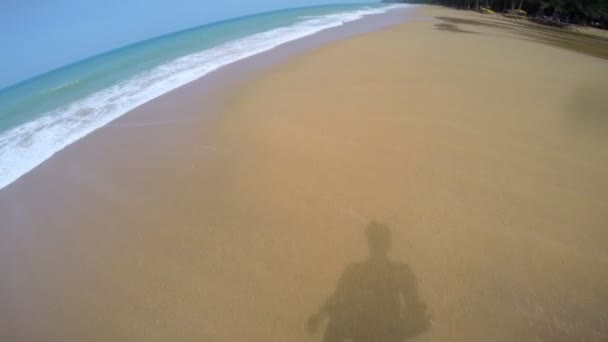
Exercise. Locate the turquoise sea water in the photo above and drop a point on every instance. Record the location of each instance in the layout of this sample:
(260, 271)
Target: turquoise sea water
(41, 116)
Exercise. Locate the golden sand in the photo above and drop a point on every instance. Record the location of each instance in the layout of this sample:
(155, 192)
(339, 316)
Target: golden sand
(485, 152)
(484, 147)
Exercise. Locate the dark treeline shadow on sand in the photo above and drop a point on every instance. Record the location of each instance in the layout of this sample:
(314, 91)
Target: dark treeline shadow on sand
(563, 38)
(451, 28)
(376, 300)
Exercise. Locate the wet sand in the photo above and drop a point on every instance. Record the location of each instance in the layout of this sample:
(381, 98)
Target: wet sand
(482, 145)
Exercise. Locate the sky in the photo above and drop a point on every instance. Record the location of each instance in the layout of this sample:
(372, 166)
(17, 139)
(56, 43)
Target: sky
(37, 36)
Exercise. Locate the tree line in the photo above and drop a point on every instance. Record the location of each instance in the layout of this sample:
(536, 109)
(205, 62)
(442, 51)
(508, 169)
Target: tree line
(582, 12)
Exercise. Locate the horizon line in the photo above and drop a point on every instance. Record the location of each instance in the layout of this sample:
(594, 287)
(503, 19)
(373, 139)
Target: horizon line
(164, 35)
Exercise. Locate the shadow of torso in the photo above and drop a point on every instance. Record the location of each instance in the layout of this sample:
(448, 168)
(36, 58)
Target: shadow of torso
(376, 300)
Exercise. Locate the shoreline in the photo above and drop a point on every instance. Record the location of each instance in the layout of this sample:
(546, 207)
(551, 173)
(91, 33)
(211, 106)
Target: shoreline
(235, 221)
(77, 172)
(391, 17)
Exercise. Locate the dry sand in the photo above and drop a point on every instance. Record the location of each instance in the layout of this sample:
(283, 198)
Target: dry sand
(483, 145)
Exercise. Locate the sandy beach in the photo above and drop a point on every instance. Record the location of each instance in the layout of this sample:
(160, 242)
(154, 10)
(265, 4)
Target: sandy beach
(228, 209)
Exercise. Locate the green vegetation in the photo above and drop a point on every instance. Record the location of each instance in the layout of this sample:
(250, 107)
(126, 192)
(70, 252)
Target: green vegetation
(557, 12)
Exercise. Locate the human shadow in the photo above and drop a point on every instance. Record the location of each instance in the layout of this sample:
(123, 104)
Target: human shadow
(376, 300)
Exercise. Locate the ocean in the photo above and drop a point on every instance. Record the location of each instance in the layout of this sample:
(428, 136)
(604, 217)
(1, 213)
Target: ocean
(43, 115)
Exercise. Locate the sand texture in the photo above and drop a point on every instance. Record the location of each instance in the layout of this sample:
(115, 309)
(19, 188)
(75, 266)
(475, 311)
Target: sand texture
(481, 144)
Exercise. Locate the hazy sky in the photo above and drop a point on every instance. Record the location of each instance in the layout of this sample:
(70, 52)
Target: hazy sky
(37, 36)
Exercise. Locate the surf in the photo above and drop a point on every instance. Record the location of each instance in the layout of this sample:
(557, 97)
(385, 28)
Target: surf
(129, 77)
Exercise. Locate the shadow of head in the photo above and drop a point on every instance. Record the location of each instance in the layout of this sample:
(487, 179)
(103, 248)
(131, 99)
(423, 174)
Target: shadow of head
(378, 240)
(376, 299)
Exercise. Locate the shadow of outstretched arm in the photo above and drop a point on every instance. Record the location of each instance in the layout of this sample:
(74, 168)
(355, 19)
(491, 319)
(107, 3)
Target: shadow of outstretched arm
(333, 302)
(415, 317)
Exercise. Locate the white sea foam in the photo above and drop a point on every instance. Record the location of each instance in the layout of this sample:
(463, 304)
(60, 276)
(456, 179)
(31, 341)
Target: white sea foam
(28, 145)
